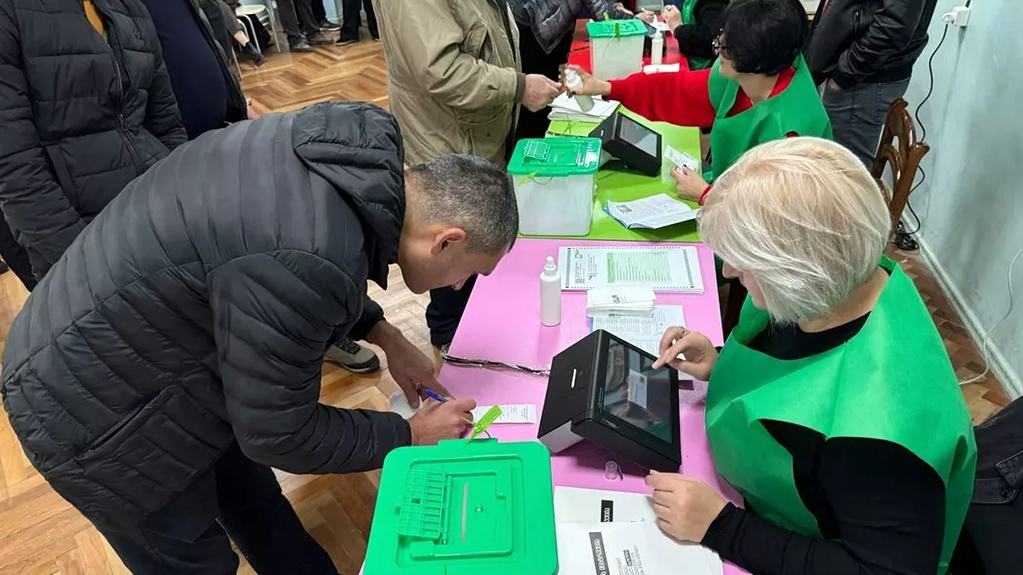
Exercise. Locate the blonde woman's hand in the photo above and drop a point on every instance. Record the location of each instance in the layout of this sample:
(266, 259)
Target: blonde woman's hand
(685, 506)
(699, 354)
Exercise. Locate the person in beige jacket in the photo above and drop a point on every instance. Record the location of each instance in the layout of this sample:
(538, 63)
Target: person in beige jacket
(455, 84)
(454, 76)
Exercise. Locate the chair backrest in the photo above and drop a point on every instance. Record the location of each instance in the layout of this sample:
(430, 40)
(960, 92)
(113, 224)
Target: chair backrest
(903, 157)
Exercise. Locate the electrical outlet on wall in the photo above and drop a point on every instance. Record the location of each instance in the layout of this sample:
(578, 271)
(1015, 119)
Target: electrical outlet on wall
(958, 16)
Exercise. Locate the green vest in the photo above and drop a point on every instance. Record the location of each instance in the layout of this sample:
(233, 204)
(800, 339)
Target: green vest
(797, 109)
(892, 381)
(689, 19)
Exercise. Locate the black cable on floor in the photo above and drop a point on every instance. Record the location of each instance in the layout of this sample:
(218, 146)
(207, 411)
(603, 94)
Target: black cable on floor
(903, 237)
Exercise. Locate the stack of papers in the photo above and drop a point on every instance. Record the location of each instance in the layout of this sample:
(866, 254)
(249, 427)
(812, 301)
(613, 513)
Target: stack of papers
(620, 301)
(651, 213)
(565, 107)
(612, 533)
(642, 332)
(667, 268)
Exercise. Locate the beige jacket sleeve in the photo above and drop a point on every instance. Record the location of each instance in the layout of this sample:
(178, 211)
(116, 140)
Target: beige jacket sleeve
(431, 43)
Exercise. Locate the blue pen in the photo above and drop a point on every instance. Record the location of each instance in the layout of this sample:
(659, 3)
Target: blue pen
(434, 395)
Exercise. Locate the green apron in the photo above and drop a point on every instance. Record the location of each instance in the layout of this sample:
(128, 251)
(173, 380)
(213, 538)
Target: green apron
(892, 381)
(689, 19)
(797, 109)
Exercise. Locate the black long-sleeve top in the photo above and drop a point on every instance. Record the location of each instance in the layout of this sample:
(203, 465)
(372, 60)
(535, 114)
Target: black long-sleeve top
(879, 508)
(697, 39)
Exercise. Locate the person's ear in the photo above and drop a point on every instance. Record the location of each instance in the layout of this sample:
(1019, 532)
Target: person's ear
(447, 238)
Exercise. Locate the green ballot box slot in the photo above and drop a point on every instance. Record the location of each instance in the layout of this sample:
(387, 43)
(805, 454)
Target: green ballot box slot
(461, 507)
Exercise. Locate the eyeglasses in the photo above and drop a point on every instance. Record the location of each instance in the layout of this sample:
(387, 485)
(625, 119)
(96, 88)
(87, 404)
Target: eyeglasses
(718, 45)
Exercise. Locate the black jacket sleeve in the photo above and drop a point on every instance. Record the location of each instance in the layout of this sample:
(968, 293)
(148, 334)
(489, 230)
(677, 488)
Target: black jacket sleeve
(274, 314)
(30, 197)
(371, 314)
(697, 39)
(163, 119)
(888, 33)
(889, 507)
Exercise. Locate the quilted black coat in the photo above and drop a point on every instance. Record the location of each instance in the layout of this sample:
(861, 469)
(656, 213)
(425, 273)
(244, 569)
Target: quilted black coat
(194, 312)
(80, 116)
(551, 20)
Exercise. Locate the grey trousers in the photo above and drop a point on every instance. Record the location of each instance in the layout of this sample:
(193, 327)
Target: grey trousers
(858, 114)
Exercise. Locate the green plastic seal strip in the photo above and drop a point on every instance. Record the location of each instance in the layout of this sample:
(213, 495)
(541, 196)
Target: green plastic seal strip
(489, 417)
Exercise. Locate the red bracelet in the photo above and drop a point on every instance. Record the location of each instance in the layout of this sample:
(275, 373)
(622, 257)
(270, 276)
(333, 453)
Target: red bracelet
(703, 196)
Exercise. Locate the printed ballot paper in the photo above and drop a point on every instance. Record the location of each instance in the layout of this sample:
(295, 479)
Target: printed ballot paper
(667, 268)
(642, 332)
(615, 533)
(629, 549)
(651, 213)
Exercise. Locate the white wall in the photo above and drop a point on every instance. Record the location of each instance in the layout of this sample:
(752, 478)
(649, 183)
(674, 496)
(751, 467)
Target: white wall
(972, 202)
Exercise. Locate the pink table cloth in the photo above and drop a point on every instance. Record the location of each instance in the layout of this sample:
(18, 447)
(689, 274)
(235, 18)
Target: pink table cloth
(502, 323)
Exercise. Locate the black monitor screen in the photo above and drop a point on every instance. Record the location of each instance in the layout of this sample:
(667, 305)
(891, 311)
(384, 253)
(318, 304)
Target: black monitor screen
(636, 393)
(638, 135)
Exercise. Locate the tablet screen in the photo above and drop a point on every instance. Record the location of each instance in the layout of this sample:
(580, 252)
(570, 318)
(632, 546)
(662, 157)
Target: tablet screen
(638, 135)
(636, 393)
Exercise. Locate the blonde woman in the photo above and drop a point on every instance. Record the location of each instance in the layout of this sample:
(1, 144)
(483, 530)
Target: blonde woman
(833, 407)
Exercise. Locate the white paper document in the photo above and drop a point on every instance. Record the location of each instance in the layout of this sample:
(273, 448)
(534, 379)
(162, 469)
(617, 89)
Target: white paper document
(642, 332)
(574, 505)
(620, 300)
(682, 159)
(651, 213)
(565, 107)
(662, 268)
(629, 549)
(524, 413)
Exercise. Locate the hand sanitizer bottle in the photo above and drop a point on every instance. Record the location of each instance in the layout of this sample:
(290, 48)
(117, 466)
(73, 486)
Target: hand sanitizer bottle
(657, 48)
(550, 294)
(574, 82)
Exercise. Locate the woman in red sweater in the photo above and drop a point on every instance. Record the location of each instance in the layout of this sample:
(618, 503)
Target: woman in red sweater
(758, 90)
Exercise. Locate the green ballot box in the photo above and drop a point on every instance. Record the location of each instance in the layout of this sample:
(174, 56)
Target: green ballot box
(465, 508)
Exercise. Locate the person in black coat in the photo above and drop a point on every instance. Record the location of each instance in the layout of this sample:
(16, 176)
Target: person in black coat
(85, 107)
(863, 52)
(173, 355)
(208, 95)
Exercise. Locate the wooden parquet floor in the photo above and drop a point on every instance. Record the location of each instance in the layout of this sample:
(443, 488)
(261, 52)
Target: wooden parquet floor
(40, 534)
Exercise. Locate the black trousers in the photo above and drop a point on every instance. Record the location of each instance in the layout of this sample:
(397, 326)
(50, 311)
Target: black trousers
(536, 61)
(239, 499)
(297, 18)
(990, 541)
(352, 19)
(319, 10)
(445, 311)
(16, 256)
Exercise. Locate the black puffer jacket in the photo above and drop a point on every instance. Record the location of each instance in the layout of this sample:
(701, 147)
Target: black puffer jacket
(550, 20)
(195, 310)
(81, 117)
(867, 41)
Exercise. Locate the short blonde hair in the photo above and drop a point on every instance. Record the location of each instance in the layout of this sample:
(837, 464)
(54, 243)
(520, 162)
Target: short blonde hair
(805, 218)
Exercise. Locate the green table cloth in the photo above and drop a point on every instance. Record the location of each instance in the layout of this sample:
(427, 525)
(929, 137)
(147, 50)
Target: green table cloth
(619, 185)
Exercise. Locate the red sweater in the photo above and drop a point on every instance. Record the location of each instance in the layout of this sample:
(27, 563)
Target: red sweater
(683, 98)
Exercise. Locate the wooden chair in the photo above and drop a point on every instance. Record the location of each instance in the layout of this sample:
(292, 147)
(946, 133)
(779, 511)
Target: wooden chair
(903, 158)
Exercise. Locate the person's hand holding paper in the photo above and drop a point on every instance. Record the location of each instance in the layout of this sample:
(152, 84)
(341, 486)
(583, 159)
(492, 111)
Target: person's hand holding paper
(685, 506)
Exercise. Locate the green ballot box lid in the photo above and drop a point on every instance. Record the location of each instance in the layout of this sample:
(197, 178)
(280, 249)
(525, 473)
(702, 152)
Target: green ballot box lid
(615, 28)
(465, 508)
(555, 157)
